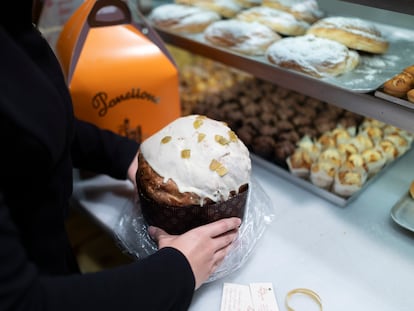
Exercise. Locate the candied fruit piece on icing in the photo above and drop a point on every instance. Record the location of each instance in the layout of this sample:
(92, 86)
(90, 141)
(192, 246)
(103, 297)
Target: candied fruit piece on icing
(221, 140)
(166, 139)
(222, 170)
(214, 164)
(217, 167)
(201, 136)
(233, 136)
(198, 123)
(186, 153)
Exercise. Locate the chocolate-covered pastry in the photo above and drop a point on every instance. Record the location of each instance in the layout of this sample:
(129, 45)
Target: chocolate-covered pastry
(307, 130)
(269, 130)
(283, 149)
(284, 125)
(246, 134)
(292, 136)
(284, 113)
(251, 110)
(263, 146)
(301, 120)
(324, 124)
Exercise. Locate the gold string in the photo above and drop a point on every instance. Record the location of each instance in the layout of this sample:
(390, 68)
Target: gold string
(315, 297)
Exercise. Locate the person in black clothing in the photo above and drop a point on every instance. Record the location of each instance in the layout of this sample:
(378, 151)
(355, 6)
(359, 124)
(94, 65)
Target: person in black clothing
(41, 142)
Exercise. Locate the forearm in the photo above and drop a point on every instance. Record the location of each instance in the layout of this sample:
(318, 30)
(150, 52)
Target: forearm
(102, 151)
(163, 281)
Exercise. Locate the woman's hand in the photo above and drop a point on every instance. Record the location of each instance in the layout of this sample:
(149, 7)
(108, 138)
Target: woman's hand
(204, 247)
(132, 170)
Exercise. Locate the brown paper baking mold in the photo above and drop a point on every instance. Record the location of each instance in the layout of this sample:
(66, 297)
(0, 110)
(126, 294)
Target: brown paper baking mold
(177, 220)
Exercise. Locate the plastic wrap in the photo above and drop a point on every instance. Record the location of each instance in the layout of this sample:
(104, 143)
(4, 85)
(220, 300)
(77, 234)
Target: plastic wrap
(131, 231)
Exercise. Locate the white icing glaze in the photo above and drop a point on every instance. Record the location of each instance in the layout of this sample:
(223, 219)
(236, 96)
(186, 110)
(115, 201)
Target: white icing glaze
(270, 15)
(182, 14)
(309, 52)
(301, 6)
(193, 174)
(224, 4)
(353, 25)
(241, 36)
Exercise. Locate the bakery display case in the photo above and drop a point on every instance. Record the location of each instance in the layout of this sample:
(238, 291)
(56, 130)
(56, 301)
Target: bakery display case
(286, 130)
(300, 105)
(358, 257)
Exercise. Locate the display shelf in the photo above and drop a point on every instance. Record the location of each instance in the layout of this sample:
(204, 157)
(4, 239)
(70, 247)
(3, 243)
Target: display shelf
(402, 6)
(365, 104)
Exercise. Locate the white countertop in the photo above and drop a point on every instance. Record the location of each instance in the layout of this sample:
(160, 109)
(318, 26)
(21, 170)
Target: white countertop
(354, 257)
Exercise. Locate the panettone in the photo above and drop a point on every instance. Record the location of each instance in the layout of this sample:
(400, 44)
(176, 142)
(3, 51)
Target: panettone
(192, 172)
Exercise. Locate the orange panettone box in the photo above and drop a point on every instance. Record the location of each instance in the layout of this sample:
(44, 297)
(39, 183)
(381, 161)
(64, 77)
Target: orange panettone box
(119, 73)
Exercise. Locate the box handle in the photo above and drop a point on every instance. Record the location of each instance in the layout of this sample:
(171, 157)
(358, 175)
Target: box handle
(109, 13)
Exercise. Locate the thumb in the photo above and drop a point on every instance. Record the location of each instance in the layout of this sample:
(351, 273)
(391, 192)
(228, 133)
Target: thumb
(156, 233)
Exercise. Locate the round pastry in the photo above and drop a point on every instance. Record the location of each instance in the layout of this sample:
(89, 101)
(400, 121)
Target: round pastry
(347, 149)
(342, 135)
(322, 174)
(353, 32)
(332, 155)
(226, 8)
(318, 57)
(349, 181)
(192, 172)
(374, 133)
(300, 162)
(394, 130)
(240, 36)
(306, 10)
(369, 122)
(407, 77)
(279, 21)
(399, 85)
(326, 140)
(362, 142)
(410, 95)
(182, 18)
(400, 142)
(355, 161)
(411, 189)
(410, 70)
(389, 150)
(374, 160)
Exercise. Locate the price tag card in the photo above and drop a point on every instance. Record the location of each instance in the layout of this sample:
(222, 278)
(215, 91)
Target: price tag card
(252, 297)
(263, 297)
(236, 297)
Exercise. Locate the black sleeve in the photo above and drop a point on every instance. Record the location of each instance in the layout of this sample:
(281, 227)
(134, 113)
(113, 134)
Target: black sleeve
(163, 281)
(101, 151)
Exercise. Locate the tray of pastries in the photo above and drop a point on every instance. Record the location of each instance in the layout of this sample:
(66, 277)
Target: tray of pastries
(399, 89)
(332, 152)
(351, 53)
